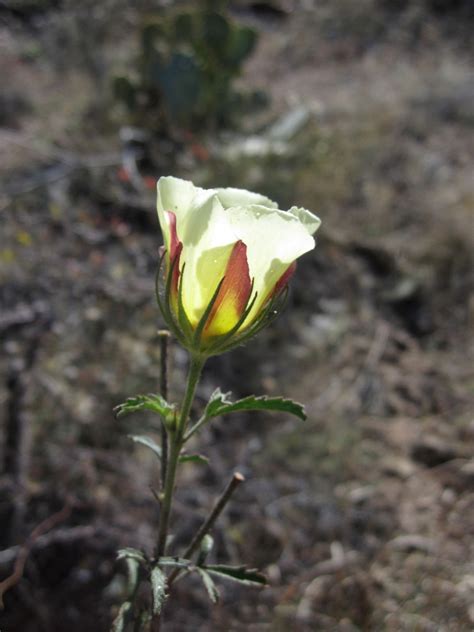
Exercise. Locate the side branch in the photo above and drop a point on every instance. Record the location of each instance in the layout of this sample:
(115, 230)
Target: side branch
(235, 481)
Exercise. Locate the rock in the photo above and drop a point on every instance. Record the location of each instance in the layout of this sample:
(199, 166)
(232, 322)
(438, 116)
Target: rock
(432, 451)
(398, 467)
(290, 124)
(413, 542)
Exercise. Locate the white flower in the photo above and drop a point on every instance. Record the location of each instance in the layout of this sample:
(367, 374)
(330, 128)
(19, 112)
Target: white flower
(231, 239)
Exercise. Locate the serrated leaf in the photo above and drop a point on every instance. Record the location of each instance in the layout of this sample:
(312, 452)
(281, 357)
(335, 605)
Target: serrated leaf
(211, 588)
(241, 574)
(193, 458)
(158, 587)
(153, 403)
(147, 442)
(123, 617)
(129, 552)
(220, 404)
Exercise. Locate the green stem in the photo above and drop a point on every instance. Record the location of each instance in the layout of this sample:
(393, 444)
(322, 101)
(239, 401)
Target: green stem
(176, 443)
(164, 341)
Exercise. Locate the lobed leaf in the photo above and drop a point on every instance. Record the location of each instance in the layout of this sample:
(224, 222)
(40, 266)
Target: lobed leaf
(220, 404)
(211, 588)
(154, 403)
(241, 574)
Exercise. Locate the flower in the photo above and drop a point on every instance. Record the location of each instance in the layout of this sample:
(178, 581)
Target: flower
(229, 254)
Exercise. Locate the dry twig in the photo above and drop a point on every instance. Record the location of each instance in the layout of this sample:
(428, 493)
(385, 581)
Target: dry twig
(19, 567)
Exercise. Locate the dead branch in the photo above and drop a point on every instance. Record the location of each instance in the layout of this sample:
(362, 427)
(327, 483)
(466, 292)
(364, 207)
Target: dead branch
(20, 562)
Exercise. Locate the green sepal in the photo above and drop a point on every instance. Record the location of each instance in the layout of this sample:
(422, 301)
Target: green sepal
(219, 404)
(221, 341)
(184, 321)
(204, 318)
(241, 574)
(269, 313)
(158, 587)
(164, 301)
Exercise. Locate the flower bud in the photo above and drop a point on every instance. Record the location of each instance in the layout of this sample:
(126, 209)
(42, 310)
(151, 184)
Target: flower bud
(228, 256)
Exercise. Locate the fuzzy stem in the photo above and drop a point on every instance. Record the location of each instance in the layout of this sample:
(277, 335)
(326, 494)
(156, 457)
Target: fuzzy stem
(164, 341)
(175, 448)
(176, 441)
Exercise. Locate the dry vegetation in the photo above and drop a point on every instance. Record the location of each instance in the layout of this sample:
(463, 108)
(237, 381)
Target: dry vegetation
(363, 517)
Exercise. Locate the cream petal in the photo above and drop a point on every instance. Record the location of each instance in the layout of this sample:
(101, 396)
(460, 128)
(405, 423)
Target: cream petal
(241, 197)
(274, 239)
(175, 196)
(203, 228)
(310, 221)
(207, 238)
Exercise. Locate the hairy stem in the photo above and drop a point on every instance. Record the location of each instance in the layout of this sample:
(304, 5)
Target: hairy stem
(177, 437)
(164, 341)
(176, 444)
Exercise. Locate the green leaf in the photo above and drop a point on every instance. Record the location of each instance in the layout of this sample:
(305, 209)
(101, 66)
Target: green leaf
(211, 588)
(177, 562)
(134, 554)
(241, 574)
(158, 587)
(193, 458)
(219, 404)
(147, 442)
(123, 618)
(133, 571)
(153, 403)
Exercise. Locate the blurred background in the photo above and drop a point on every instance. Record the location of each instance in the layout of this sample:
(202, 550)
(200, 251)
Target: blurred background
(363, 516)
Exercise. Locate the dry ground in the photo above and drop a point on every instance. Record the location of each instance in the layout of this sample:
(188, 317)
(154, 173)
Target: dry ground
(363, 516)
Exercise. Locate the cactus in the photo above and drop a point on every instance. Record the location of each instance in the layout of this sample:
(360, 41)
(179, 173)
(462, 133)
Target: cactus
(186, 68)
(180, 84)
